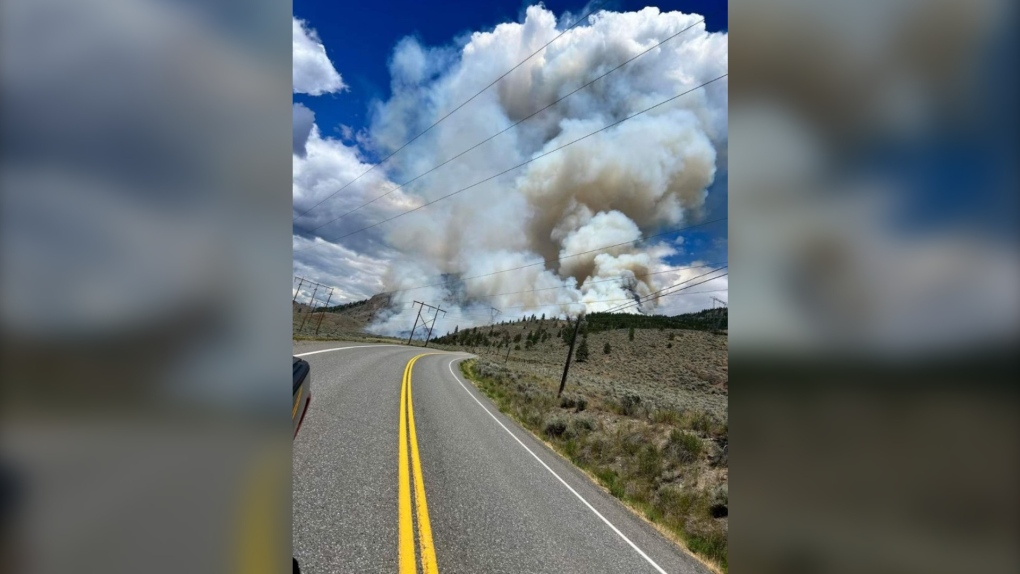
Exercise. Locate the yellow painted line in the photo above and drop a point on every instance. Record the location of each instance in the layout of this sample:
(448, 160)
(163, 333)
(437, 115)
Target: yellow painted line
(426, 548)
(406, 545)
(428, 551)
(297, 401)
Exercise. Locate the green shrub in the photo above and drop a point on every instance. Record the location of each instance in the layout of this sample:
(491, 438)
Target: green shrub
(611, 480)
(683, 447)
(629, 404)
(582, 425)
(649, 462)
(606, 349)
(581, 354)
(699, 421)
(676, 505)
(555, 427)
(667, 416)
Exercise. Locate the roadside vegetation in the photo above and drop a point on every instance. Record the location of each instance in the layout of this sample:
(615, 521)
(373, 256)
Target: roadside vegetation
(670, 465)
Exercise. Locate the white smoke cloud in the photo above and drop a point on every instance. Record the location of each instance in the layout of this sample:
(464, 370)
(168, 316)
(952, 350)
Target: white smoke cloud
(649, 174)
(314, 74)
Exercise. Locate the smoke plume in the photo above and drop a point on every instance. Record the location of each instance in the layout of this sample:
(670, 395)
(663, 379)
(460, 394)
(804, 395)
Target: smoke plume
(649, 174)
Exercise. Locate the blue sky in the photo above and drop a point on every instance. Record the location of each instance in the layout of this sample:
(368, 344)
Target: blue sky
(360, 40)
(368, 45)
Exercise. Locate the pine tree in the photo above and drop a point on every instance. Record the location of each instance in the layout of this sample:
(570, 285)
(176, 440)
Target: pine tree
(630, 335)
(607, 348)
(581, 354)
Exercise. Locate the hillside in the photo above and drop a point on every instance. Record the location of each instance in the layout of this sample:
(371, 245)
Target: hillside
(672, 362)
(339, 321)
(666, 368)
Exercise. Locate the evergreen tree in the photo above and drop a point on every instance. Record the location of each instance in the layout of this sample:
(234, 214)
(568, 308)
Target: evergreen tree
(607, 348)
(581, 354)
(630, 335)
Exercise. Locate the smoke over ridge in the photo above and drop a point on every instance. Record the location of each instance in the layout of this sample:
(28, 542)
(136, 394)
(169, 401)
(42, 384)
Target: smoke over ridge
(649, 174)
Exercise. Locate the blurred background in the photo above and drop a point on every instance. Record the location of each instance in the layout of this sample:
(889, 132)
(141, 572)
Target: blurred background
(874, 297)
(144, 316)
(145, 271)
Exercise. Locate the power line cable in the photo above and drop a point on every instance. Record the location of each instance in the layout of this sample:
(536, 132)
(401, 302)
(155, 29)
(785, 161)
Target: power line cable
(522, 164)
(657, 294)
(508, 128)
(585, 283)
(629, 300)
(679, 292)
(650, 296)
(464, 103)
(596, 282)
(603, 248)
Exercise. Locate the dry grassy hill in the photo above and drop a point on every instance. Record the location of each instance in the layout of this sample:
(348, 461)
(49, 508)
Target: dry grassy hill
(647, 419)
(668, 368)
(338, 323)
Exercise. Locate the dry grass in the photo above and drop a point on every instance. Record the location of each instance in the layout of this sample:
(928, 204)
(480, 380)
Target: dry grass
(669, 465)
(691, 375)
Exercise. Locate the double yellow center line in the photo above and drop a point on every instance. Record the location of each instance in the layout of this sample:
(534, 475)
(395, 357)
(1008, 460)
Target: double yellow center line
(408, 560)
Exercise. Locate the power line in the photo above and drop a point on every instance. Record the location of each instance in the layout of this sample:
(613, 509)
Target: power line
(540, 156)
(508, 128)
(656, 294)
(680, 292)
(480, 92)
(671, 269)
(644, 298)
(603, 248)
(596, 282)
(628, 300)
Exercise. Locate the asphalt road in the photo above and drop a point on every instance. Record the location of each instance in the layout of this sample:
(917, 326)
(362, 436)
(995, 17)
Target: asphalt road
(495, 499)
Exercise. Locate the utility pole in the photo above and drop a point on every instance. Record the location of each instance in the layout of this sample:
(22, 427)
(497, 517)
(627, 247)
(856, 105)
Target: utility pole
(570, 353)
(323, 313)
(311, 303)
(507, 358)
(415, 320)
(296, 293)
(493, 312)
(434, 319)
(718, 316)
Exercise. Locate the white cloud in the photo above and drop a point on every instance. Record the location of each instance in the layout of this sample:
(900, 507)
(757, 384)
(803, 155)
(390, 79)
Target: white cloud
(314, 74)
(649, 174)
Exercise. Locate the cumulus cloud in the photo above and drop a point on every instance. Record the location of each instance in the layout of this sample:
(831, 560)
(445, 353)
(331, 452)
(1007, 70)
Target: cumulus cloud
(326, 165)
(314, 74)
(649, 174)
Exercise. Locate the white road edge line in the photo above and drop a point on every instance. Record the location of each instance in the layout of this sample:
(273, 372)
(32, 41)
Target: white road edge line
(574, 492)
(342, 348)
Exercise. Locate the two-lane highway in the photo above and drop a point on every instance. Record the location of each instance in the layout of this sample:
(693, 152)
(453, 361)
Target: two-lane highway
(401, 466)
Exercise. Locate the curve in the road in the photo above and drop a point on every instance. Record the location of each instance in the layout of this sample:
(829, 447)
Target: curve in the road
(558, 477)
